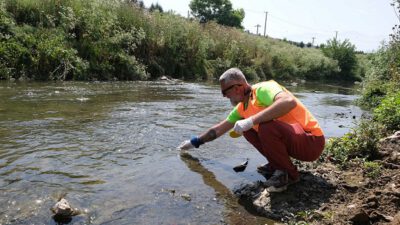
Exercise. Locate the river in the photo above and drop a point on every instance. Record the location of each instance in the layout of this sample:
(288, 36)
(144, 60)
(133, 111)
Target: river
(110, 149)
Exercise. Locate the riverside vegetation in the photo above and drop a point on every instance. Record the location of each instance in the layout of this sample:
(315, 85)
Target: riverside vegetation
(116, 40)
(368, 160)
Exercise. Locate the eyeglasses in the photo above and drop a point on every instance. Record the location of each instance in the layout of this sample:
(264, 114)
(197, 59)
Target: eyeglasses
(228, 88)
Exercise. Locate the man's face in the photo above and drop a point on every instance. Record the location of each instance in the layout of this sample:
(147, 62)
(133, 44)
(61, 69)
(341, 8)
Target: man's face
(232, 90)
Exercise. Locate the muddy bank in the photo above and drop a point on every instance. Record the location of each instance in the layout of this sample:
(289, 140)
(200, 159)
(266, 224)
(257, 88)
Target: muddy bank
(328, 195)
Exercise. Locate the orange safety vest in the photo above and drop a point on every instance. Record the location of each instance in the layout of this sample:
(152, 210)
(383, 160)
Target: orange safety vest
(299, 114)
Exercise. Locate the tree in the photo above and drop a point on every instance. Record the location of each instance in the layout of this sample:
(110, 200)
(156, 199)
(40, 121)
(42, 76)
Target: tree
(218, 10)
(344, 52)
(156, 7)
(138, 3)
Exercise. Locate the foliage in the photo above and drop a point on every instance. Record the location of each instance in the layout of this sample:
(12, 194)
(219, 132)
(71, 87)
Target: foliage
(52, 40)
(119, 40)
(217, 10)
(372, 169)
(40, 54)
(381, 93)
(383, 72)
(107, 45)
(388, 111)
(361, 142)
(138, 3)
(305, 216)
(377, 79)
(344, 53)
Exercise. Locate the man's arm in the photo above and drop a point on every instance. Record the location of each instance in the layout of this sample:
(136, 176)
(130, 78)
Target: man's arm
(283, 103)
(216, 131)
(210, 135)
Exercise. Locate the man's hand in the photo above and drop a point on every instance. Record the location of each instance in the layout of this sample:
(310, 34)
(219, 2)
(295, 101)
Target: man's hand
(195, 142)
(186, 145)
(243, 125)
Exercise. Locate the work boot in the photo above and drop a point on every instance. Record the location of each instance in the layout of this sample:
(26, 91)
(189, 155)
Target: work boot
(279, 181)
(266, 170)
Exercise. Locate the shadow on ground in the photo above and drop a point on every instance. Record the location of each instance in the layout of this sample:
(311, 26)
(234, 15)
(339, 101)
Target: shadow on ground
(308, 195)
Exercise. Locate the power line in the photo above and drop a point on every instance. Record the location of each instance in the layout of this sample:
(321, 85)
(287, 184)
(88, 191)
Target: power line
(254, 11)
(299, 25)
(285, 21)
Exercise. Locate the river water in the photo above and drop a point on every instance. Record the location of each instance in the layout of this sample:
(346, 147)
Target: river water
(110, 149)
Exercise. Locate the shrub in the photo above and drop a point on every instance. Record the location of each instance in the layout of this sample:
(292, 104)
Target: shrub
(314, 65)
(377, 78)
(372, 94)
(283, 66)
(388, 111)
(372, 169)
(361, 142)
(41, 54)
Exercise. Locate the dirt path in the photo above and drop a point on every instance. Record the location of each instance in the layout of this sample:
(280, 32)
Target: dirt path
(329, 195)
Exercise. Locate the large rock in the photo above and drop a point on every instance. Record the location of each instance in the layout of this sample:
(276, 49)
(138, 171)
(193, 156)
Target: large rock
(63, 211)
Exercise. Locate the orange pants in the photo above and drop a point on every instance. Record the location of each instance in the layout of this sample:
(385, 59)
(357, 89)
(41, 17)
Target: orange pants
(278, 141)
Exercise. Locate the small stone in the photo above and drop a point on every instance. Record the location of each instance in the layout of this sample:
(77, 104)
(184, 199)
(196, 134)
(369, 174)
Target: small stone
(352, 206)
(186, 197)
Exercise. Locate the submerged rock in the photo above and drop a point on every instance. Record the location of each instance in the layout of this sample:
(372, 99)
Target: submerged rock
(186, 197)
(63, 212)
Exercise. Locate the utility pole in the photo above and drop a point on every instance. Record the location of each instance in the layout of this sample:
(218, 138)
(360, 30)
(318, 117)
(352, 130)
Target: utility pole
(313, 38)
(258, 25)
(336, 34)
(265, 23)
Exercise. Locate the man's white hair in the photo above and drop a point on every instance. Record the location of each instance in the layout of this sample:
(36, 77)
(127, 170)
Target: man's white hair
(232, 74)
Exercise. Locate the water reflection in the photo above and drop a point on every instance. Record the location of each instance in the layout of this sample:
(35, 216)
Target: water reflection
(235, 213)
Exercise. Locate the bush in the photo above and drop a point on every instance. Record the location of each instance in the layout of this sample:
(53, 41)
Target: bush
(377, 80)
(361, 142)
(388, 112)
(68, 40)
(372, 94)
(314, 65)
(372, 169)
(40, 54)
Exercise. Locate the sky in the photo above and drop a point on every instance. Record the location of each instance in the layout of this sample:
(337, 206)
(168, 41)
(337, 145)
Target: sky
(365, 23)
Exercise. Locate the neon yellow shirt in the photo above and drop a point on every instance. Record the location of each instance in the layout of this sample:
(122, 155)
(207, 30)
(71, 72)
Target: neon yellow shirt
(265, 94)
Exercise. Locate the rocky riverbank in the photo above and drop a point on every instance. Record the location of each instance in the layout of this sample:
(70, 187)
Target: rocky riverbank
(327, 194)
